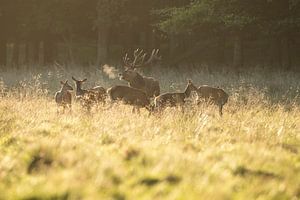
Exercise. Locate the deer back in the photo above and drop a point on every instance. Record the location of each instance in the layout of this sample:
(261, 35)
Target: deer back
(216, 95)
(128, 95)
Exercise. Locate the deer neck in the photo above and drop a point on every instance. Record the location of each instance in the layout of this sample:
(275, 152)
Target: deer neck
(138, 82)
(187, 91)
(79, 90)
(63, 90)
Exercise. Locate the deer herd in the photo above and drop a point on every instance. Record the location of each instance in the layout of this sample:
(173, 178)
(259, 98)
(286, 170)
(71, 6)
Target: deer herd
(141, 92)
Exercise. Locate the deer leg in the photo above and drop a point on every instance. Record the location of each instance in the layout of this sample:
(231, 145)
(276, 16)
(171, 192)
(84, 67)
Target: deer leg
(181, 105)
(221, 109)
(89, 108)
(182, 109)
(64, 108)
(70, 108)
(133, 109)
(150, 113)
(159, 110)
(109, 106)
(98, 104)
(150, 109)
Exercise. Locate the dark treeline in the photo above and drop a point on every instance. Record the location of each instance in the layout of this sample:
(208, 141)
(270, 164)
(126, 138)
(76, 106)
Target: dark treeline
(232, 33)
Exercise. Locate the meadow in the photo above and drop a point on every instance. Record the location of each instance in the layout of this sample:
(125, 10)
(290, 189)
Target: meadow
(252, 152)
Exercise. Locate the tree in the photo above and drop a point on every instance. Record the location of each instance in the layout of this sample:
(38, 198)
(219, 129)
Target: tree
(281, 23)
(209, 18)
(107, 18)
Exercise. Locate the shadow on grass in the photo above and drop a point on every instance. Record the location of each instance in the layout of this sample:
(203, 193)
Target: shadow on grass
(152, 181)
(243, 171)
(291, 148)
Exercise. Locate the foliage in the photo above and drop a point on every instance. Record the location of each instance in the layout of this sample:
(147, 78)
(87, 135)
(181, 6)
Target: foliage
(128, 24)
(232, 15)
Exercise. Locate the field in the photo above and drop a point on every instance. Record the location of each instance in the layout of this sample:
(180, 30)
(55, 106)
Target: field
(252, 152)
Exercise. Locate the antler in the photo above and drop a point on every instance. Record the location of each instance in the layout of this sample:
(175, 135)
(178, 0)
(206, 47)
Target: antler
(74, 79)
(139, 58)
(154, 57)
(126, 60)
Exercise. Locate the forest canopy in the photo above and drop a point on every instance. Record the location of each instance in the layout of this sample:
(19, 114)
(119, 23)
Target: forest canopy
(231, 33)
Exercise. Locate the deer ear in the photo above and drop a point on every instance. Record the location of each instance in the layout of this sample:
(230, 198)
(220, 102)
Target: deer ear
(61, 82)
(67, 81)
(84, 80)
(73, 78)
(189, 81)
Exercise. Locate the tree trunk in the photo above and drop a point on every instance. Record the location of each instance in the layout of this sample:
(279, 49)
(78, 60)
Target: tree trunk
(102, 45)
(143, 39)
(70, 52)
(69, 43)
(238, 52)
(285, 53)
(151, 40)
(274, 57)
(22, 54)
(221, 51)
(31, 53)
(128, 39)
(172, 45)
(50, 49)
(2, 51)
(9, 54)
(41, 53)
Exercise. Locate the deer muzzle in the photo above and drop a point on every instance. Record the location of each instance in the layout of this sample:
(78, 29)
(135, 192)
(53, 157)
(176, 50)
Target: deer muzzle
(121, 77)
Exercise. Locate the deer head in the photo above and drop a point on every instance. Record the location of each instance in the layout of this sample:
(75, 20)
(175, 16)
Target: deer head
(190, 88)
(139, 61)
(79, 82)
(66, 86)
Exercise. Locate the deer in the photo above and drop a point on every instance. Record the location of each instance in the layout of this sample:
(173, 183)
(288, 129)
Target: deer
(174, 99)
(91, 96)
(212, 95)
(147, 84)
(130, 96)
(63, 97)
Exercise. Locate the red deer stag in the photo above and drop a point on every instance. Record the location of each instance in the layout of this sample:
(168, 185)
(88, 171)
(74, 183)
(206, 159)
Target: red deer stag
(63, 97)
(147, 84)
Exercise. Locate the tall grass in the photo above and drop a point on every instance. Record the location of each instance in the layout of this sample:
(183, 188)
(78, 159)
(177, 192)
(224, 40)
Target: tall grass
(252, 152)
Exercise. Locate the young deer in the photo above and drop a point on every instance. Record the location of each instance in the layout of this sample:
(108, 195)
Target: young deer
(131, 96)
(63, 97)
(174, 99)
(90, 96)
(213, 95)
(147, 84)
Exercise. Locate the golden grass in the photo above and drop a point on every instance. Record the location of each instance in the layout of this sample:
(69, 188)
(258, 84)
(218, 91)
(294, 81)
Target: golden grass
(252, 152)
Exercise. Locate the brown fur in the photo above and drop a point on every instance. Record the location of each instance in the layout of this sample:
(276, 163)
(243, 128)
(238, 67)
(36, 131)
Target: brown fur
(213, 95)
(100, 93)
(91, 96)
(147, 84)
(63, 97)
(174, 99)
(130, 96)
